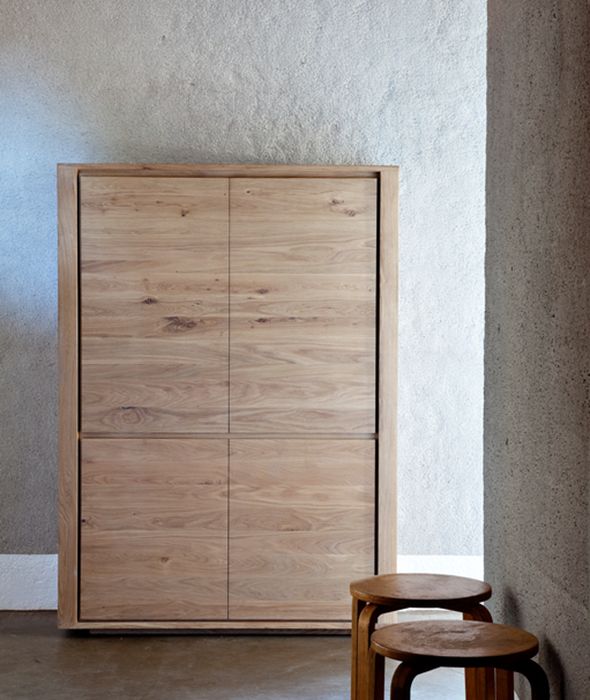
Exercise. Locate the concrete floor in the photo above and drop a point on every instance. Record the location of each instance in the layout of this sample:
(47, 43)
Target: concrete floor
(38, 661)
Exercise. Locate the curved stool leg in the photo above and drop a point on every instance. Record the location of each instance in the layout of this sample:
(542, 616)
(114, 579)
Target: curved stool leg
(480, 682)
(403, 678)
(478, 612)
(536, 677)
(357, 606)
(370, 669)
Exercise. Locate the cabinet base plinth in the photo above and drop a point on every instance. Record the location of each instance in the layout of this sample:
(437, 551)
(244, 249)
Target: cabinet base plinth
(215, 627)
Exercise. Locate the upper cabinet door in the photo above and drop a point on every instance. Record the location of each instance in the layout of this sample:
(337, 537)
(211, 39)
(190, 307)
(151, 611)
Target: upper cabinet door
(303, 276)
(154, 304)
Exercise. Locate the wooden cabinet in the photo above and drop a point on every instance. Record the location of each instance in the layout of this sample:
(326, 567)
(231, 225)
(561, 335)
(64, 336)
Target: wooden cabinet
(303, 300)
(302, 526)
(153, 529)
(154, 304)
(227, 393)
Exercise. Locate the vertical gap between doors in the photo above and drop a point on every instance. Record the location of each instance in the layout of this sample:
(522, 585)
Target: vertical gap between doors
(228, 377)
(79, 388)
(377, 368)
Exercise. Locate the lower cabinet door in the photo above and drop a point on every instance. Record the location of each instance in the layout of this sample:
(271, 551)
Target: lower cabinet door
(302, 526)
(153, 529)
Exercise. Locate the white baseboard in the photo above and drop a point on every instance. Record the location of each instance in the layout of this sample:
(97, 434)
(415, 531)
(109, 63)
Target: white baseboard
(469, 566)
(29, 581)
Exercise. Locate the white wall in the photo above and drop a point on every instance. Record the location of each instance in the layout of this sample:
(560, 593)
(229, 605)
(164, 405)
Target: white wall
(307, 81)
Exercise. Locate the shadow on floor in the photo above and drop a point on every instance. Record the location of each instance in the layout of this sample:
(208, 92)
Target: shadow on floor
(39, 661)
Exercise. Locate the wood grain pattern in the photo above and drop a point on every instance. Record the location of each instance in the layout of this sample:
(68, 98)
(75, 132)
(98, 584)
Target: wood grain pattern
(222, 626)
(378, 596)
(67, 180)
(301, 526)
(153, 530)
(357, 607)
(454, 643)
(387, 383)
(422, 591)
(235, 436)
(166, 282)
(370, 672)
(226, 170)
(154, 286)
(303, 305)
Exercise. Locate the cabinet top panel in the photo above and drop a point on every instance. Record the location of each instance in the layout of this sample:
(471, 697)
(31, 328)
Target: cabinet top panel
(225, 170)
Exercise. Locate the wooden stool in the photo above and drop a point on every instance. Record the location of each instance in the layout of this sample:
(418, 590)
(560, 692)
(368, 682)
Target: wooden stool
(374, 596)
(424, 646)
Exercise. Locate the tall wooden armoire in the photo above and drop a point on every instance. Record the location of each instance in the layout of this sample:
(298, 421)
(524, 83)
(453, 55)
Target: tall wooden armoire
(227, 393)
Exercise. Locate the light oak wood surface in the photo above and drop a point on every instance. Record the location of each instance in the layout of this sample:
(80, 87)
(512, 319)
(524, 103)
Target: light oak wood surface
(67, 180)
(229, 170)
(303, 304)
(387, 374)
(241, 436)
(221, 626)
(296, 257)
(154, 530)
(301, 525)
(154, 286)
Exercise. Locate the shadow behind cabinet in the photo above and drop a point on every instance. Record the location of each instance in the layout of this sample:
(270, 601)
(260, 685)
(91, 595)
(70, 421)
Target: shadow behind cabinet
(227, 393)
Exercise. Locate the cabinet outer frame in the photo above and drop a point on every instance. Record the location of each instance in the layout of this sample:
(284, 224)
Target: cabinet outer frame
(68, 372)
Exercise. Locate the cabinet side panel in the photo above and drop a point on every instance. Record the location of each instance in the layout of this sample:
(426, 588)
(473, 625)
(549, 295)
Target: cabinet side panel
(387, 386)
(301, 526)
(67, 180)
(303, 305)
(153, 529)
(154, 304)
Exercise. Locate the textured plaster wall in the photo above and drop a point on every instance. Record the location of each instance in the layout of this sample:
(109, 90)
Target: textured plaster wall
(302, 81)
(537, 351)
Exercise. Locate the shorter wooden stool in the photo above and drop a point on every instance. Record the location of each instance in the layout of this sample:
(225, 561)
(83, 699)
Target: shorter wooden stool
(424, 646)
(372, 597)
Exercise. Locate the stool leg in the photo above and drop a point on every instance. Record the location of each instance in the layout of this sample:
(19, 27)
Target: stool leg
(369, 671)
(403, 678)
(378, 687)
(357, 606)
(504, 684)
(480, 682)
(536, 677)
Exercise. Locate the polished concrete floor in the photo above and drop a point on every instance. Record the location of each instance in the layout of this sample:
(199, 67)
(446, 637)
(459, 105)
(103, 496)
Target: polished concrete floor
(38, 661)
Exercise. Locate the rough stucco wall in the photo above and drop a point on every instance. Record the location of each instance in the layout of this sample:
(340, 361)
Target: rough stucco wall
(537, 350)
(307, 81)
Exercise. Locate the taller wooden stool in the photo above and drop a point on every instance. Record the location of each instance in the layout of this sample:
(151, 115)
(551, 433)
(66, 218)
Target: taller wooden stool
(424, 646)
(372, 597)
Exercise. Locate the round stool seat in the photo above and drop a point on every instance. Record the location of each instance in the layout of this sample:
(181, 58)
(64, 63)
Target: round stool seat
(458, 643)
(420, 590)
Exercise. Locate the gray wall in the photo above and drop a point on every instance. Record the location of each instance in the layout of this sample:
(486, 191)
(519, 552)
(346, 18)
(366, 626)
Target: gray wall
(308, 81)
(537, 349)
